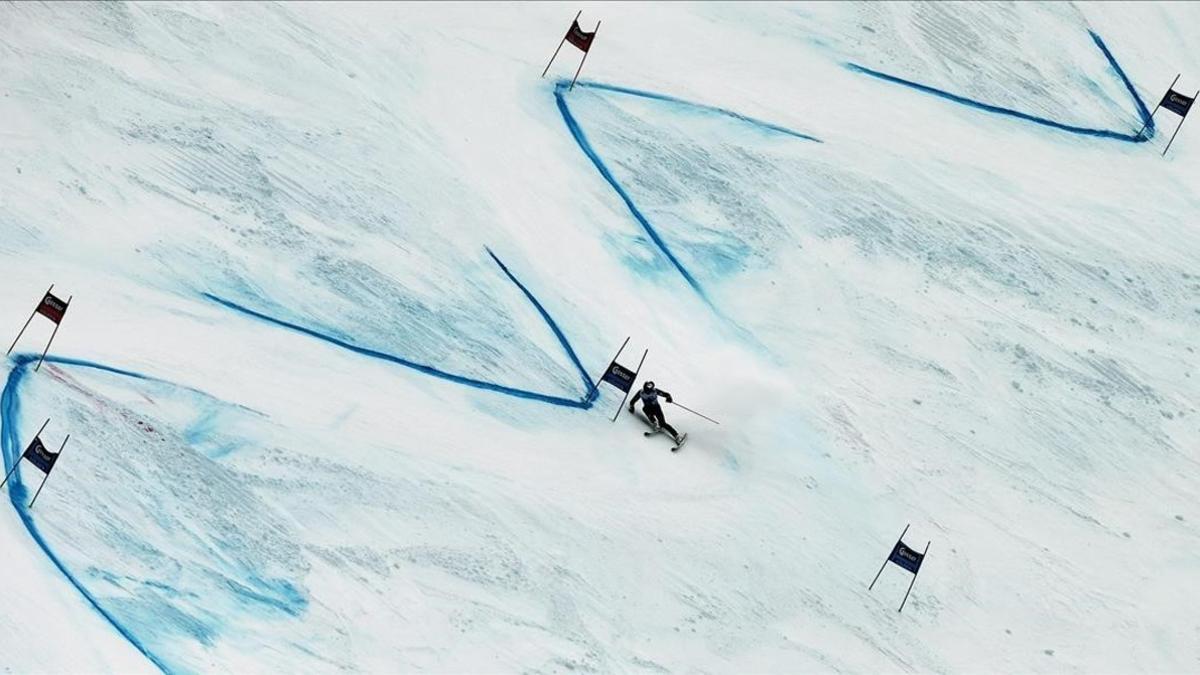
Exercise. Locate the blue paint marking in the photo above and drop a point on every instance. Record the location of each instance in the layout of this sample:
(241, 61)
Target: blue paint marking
(581, 139)
(391, 358)
(1083, 131)
(10, 447)
(68, 361)
(285, 597)
(203, 434)
(1143, 113)
(201, 428)
(562, 339)
(584, 144)
(698, 106)
(583, 403)
(280, 595)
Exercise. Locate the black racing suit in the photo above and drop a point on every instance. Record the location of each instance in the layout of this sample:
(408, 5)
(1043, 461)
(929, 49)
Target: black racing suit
(649, 399)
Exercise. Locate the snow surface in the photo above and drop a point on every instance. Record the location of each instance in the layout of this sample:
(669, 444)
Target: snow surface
(342, 274)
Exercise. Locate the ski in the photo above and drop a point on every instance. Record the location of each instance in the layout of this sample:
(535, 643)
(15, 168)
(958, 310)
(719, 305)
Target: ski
(656, 430)
(680, 442)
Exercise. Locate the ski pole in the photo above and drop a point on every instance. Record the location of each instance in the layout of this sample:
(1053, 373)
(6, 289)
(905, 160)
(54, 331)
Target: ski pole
(695, 413)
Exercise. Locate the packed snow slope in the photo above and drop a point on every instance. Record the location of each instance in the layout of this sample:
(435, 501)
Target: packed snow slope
(343, 275)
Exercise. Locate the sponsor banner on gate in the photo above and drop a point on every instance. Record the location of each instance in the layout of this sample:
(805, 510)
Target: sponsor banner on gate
(39, 456)
(619, 376)
(52, 307)
(1177, 102)
(579, 37)
(906, 557)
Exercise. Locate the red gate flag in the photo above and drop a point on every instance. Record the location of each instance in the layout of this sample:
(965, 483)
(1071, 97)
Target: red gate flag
(579, 37)
(52, 307)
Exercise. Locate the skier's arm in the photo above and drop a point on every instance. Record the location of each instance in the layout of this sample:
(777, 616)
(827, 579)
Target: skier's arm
(633, 400)
(665, 395)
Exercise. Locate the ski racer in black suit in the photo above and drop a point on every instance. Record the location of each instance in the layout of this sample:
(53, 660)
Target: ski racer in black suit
(649, 398)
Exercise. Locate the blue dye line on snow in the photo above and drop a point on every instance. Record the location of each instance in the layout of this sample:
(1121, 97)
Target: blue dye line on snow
(562, 339)
(1083, 131)
(10, 448)
(287, 598)
(583, 403)
(987, 107)
(1143, 113)
(392, 358)
(584, 144)
(10, 441)
(698, 106)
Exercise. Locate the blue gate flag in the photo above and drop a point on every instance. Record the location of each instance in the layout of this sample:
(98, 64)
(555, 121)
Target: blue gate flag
(906, 557)
(39, 456)
(619, 376)
(1177, 102)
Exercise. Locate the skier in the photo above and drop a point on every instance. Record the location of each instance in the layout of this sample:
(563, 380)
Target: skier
(649, 398)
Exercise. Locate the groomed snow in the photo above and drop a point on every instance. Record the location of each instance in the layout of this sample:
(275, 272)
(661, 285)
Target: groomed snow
(340, 274)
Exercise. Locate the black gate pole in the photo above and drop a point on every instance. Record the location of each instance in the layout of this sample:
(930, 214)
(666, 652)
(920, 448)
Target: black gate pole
(22, 455)
(589, 49)
(560, 43)
(635, 374)
(35, 309)
(596, 385)
(56, 325)
(914, 579)
(10, 471)
(1147, 122)
(1164, 154)
(889, 557)
(39, 490)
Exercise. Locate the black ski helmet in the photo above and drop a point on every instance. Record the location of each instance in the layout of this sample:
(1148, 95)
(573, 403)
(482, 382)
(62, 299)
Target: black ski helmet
(648, 385)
